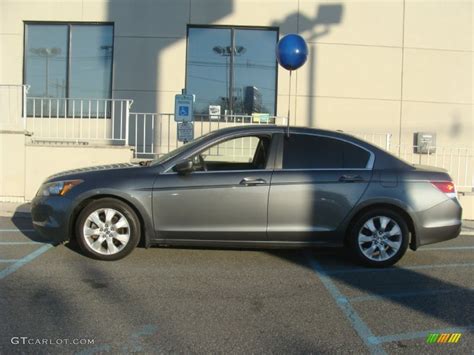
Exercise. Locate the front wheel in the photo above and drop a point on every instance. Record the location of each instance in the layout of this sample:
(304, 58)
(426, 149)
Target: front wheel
(107, 229)
(379, 238)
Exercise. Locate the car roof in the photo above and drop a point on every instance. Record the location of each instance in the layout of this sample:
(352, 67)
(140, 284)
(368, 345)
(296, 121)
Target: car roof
(293, 129)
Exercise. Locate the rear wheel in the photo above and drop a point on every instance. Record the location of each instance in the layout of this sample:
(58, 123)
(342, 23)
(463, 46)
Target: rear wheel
(107, 229)
(379, 238)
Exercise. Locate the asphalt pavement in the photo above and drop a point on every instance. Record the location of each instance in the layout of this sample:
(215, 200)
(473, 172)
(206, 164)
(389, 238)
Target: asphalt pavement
(196, 300)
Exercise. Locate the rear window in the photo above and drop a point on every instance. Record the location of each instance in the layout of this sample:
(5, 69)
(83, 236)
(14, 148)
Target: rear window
(302, 151)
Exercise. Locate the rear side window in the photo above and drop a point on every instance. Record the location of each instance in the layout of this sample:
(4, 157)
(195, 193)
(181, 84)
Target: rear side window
(301, 151)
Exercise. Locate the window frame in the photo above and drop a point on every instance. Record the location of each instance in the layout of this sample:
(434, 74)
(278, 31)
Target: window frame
(69, 24)
(369, 165)
(232, 28)
(269, 166)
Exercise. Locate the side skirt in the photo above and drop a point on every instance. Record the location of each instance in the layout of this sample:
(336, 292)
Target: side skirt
(242, 243)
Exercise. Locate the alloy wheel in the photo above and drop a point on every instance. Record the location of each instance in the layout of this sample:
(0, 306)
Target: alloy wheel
(106, 231)
(380, 238)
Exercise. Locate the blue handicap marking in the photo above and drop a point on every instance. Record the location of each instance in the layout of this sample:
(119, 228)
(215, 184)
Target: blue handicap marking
(184, 110)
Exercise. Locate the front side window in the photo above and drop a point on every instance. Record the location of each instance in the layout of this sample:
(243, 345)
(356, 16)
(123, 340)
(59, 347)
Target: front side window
(302, 151)
(243, 153)
(231, 70)
(68, 61)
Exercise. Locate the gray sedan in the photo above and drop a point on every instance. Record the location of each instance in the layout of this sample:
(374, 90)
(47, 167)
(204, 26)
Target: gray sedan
(255, 186)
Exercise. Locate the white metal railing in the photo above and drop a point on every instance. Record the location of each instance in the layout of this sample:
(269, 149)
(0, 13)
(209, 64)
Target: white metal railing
(154, 134)
(458, 161)
(77, 119)
(12, 106)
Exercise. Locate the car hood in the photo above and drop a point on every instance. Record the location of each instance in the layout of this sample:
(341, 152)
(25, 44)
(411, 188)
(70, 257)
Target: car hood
(77, 173)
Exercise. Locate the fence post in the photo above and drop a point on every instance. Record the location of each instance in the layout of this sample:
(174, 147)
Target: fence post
(388, 141)
(23, 106)
(127, 120)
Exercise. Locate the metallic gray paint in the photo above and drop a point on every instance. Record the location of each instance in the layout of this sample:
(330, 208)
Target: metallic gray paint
(292, 207)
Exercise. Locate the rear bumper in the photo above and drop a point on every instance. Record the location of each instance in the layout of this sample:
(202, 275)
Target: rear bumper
(50, 217)
(439, 223)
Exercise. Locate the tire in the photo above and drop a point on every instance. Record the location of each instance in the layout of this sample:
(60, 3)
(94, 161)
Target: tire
(378, 238)
(107, 229)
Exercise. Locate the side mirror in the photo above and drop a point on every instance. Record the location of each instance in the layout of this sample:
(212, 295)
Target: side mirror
(184, 167)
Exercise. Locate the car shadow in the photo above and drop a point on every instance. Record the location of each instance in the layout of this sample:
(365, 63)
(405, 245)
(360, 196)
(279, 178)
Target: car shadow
(407, 287)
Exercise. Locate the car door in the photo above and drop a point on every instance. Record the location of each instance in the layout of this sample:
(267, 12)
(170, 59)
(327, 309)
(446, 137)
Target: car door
(228, 201)
(316, 183)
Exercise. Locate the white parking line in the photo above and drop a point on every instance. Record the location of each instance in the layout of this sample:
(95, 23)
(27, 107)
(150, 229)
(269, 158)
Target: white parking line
(401, 268)
(18, 243)
(447, 248)
(416, 335)
(16, 230)
(23, 261)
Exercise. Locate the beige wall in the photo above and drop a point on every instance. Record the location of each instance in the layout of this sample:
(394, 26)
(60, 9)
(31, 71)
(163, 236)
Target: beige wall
(24, 166)
(12, 165)
(46, 160)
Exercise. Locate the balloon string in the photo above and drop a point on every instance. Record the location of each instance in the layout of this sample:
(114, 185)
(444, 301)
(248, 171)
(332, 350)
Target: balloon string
(289, 103)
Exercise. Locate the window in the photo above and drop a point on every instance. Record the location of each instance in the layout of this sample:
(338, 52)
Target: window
(68, 61)
(232, 68)
(243, 153)
(303, 151)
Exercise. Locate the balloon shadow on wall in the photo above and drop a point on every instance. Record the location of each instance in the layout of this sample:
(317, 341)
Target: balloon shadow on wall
(312, 29)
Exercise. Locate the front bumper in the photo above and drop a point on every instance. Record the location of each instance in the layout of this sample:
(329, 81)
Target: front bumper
(50, 216)
(439, 223)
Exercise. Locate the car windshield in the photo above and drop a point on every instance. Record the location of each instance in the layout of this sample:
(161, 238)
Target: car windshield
(165, 157)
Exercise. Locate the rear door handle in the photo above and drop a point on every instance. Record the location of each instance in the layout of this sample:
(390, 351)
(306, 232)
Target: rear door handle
(252, 182)
(351, 178)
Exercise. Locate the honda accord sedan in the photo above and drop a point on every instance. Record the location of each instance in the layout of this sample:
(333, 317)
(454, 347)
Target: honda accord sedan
(255, 186)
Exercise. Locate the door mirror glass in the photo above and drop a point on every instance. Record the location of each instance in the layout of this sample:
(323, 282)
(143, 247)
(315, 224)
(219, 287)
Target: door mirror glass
(184, 167)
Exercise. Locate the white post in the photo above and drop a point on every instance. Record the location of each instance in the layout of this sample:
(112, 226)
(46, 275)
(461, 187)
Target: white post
(388, 138)
(24, 92)
(127, 119)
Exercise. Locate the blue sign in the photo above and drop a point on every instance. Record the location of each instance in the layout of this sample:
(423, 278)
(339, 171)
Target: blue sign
(292, 51)
(183, 108)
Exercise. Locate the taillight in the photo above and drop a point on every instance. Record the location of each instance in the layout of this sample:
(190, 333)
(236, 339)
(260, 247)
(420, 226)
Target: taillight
(447, 187)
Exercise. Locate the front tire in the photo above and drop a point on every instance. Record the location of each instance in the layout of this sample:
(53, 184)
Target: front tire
(107, 229)
(379, 238)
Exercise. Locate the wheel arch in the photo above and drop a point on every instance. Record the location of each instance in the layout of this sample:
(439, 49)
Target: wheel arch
(145, 227)
(386, 205)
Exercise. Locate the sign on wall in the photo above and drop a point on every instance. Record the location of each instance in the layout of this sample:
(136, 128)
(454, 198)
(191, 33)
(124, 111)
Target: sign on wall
(214, 112)
(183, 108)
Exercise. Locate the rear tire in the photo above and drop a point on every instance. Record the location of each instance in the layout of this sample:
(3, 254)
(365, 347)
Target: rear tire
(378, 238)
(107, 229)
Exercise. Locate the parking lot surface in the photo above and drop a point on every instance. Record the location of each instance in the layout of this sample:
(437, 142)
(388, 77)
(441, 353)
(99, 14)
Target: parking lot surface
(188, 300)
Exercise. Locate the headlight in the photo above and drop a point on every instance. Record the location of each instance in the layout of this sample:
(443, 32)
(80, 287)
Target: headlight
(58, 188)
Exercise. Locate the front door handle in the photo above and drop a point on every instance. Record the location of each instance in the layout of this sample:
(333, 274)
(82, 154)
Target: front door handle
(252, 182)
(351, 178)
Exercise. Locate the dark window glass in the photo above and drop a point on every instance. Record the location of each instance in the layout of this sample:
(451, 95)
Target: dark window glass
(49, 48)
(91, 61)
(46, 54)
(254, 72)
(233, 69)
(313, 152)
(207, 68)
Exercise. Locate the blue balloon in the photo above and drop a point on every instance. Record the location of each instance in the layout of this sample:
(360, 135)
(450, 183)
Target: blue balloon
(292, 51)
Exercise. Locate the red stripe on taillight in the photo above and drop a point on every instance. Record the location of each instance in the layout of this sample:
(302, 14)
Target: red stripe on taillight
(445, 186)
